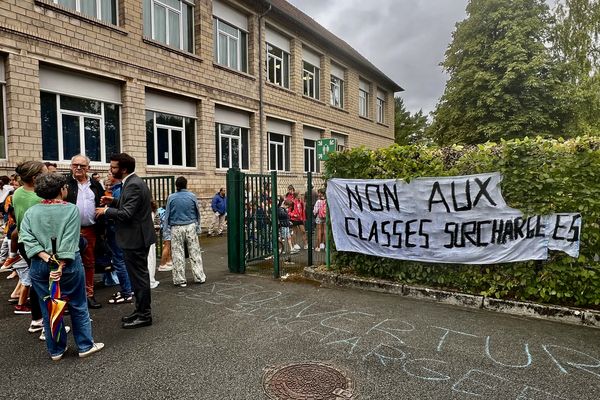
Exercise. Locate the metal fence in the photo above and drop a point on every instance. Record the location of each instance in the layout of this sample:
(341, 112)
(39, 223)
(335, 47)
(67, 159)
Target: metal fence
(160, 189)
(255, 239)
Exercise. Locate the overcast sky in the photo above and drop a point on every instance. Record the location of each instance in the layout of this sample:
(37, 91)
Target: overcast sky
(406, 39)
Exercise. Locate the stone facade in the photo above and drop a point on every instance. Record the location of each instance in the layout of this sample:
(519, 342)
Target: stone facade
(38, 33)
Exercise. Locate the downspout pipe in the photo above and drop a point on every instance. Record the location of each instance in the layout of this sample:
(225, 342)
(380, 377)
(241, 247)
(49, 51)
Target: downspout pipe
(261, 83)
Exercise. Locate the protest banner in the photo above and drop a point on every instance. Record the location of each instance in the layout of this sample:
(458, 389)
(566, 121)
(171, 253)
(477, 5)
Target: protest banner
(458, 219)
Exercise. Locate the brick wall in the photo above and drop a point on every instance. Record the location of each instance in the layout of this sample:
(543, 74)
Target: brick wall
(36, 31)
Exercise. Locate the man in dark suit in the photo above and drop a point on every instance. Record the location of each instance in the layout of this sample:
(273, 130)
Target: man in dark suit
(135, 233)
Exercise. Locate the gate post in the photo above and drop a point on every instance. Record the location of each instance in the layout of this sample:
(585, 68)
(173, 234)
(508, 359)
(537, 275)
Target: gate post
(310, 226)
(274, 225)
(234, 221)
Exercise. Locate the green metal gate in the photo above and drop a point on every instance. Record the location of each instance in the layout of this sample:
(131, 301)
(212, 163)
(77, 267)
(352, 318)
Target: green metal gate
(250, 219)
(253, 229)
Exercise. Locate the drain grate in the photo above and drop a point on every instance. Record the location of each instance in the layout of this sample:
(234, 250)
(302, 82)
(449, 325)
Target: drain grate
(303, 381)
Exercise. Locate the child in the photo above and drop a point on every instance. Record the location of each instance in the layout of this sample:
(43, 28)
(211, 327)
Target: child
(320, 213)
(285, 238)
(166, 262)
(152, 253)
(297, 215)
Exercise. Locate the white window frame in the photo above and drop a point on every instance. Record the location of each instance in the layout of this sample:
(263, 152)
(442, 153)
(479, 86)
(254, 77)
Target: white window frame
(380, 110)
(232, 138)
(242, 35)
(4, 113)
(337, 92)
(179, 12)
(279, 63)
(98, 10)
(170, 129)
(81, 115)
(363, 103)
(364, 98)
(311, 80)
(310, 155)
(279, 144)
(341, 141)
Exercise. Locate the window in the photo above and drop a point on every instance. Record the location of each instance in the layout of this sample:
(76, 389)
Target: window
(231, 46)
(337, 92)
(104, 10)
(2, 111)
(380, 106)
(340, 141)
(170, 22)
(73, 125)
(279, 152)
(170, 139)
(310, 78)
(363, 99)
(232, 146)
(2, 120)
(337, 86)
(310, 156)
(278, 66)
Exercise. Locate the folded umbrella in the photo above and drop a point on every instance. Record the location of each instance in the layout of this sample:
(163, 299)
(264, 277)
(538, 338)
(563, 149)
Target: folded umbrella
(56, 304)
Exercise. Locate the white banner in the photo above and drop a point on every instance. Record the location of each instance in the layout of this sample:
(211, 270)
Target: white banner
(459, 220)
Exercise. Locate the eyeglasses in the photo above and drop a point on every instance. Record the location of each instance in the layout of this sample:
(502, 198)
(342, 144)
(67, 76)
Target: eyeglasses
(82, 166)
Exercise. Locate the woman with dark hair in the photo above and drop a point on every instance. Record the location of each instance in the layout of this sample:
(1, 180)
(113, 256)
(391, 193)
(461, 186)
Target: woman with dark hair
(23, 198)
(56, 218)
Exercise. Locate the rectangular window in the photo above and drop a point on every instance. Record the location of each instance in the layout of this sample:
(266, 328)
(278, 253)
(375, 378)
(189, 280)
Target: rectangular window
(337, 92)
(310, 79)
(363, 103)
(104, 10)
(279, 152)
(73, 125)
(2, 120)
(364, 88)
(380, 110)
(231, 46)
(380, 106)
(278, 66)
(170, 140)
(232, 146)
(340, 141)
(310, 156)
(170, 22)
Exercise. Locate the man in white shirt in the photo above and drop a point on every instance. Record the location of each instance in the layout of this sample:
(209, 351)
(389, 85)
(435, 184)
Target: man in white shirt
(86, 194)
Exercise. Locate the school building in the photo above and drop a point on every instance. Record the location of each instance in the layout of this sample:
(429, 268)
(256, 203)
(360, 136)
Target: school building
(186, 87)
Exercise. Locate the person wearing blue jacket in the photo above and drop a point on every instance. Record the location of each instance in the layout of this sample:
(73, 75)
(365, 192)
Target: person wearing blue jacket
(182, 224)
(219, 209)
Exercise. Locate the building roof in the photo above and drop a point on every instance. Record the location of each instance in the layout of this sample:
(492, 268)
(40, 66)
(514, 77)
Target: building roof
(287, 11)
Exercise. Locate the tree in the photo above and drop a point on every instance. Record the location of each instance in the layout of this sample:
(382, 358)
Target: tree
(576, 44)
(408, 129)
(503, 81)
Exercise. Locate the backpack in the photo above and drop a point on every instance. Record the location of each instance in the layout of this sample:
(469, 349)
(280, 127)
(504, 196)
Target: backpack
(322, 213)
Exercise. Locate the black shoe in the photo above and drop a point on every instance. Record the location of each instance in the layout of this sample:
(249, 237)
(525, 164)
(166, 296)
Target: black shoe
(137, 323)
(130, 318)
(92, 303)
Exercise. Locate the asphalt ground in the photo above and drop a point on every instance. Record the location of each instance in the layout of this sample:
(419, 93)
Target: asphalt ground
(216, 340)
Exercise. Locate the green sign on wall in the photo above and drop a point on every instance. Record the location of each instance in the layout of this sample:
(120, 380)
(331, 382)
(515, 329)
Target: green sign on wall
(324, 147)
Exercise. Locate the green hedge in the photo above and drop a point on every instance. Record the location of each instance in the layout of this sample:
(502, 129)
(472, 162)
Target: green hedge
(540, 177)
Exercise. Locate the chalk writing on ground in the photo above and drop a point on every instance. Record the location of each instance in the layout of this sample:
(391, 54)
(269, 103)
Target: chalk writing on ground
(398, 343)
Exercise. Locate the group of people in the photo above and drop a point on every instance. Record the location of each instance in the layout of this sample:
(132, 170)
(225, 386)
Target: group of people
(291, 213)
(41, 206)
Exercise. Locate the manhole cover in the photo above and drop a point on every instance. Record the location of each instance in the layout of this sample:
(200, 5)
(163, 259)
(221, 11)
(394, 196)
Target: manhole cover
(314, 381)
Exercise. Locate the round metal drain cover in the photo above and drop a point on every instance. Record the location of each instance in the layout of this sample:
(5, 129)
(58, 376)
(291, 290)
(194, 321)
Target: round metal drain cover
(314, 381)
